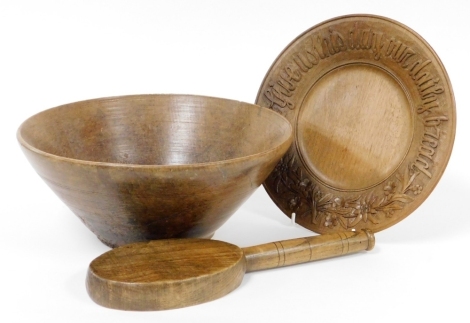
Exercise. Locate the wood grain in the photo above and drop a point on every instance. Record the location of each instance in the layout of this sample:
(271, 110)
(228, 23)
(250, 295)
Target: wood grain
(296, 251)
(143, 167)
(374, 120)
(167, 274)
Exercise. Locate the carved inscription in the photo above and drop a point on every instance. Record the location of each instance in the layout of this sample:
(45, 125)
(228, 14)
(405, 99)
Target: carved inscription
(319, 47)
(429, 144)
(301, 194)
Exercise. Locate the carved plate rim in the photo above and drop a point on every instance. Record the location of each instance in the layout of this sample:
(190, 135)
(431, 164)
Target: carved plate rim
(291, 185)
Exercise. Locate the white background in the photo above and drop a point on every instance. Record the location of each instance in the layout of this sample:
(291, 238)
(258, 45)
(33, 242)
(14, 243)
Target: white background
(56, 52)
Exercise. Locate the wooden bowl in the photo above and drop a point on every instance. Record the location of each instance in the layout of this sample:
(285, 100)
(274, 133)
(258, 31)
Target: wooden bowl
(144, 167)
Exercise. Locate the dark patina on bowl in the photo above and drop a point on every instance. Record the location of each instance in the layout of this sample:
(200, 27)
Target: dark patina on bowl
(144, 167)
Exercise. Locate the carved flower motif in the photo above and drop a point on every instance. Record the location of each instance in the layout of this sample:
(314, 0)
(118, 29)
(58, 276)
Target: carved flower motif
(280, 173)
(307, 199)
(338, 203)
(294, 203)
(305, 185)
(390, 188)
(417, 189)
(363, 211)
(331, 220)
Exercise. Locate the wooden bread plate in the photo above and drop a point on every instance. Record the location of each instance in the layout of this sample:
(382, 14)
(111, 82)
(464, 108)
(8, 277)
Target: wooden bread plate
(374, 121)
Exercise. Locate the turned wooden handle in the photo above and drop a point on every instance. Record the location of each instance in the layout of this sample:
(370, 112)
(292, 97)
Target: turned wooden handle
(296, 251)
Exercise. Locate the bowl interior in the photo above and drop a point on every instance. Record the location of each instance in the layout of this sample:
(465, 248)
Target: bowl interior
(155, 130)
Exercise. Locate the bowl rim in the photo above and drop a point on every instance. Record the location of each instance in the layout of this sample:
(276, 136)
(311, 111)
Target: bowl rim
(288, 140)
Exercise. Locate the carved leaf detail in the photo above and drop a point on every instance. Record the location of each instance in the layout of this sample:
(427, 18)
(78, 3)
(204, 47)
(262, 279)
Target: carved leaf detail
(308, 200)
(402, 198)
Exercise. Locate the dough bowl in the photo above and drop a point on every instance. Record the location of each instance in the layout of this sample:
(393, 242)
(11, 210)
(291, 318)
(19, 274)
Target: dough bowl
(144, 167)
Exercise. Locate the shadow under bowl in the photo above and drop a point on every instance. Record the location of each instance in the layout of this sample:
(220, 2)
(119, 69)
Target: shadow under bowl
(145, 167)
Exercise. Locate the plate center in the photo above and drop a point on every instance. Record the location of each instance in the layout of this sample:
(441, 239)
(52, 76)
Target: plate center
(354, 127)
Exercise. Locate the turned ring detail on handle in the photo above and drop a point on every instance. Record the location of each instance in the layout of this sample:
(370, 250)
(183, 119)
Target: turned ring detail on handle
(295, 251)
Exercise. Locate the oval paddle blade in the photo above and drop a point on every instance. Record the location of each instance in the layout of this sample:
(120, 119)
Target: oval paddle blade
(165, 274)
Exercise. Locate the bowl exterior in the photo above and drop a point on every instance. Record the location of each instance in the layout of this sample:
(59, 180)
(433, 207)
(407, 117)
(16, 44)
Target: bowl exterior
(124, 204)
